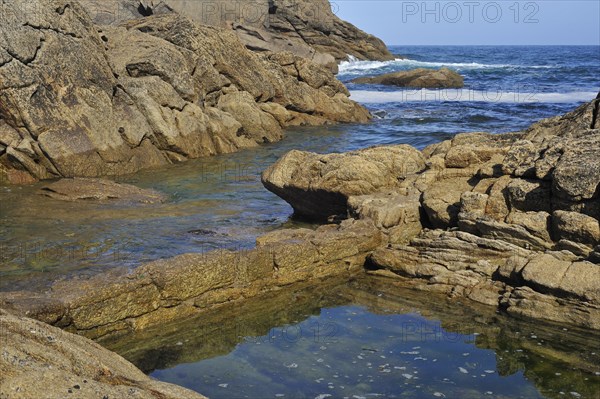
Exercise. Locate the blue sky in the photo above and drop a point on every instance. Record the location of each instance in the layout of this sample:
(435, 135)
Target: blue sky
(475, 22)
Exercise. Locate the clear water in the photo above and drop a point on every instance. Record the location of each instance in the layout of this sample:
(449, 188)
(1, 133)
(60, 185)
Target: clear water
(366, 339)
(220, 202)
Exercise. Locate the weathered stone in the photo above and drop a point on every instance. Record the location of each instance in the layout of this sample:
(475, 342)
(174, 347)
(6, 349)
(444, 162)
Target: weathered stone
(576, 227)
(529, 196)
(578, 249)
(257, 124)
(496, 193)
(441, 201)
(525, 302)
(577, 173)
(404, 261)
(545, 272)
(520, 159)
(581, 281)
(566, 125)
(473, 204)
(398, 215)
(537, 223)
(307, 28)
(497, 204)
(168, 289)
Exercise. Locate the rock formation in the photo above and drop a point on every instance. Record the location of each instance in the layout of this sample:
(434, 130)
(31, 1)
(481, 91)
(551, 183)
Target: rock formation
(41, 361)
(307, 28)
(422, 78)
(80, 100)
(510, 220)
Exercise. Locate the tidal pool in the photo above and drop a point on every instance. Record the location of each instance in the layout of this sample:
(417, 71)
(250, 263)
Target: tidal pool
(366, 338)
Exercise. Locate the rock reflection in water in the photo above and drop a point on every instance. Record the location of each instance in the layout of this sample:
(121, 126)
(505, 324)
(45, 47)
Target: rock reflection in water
(366, 337)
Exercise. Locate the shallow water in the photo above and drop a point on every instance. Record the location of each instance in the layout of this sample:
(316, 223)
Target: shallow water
(220, 203)
(366, 339)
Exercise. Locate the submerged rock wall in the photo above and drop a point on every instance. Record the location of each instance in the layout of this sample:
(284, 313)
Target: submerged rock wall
(189, 284)
(81, 100)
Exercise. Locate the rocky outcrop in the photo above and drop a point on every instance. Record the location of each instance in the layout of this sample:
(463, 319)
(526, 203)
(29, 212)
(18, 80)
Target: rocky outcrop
(318, 186)
(508, 220)
(422, 78)
(308, 29)
(171, 289)
(99, 190)
(41, 361)
(78, 100)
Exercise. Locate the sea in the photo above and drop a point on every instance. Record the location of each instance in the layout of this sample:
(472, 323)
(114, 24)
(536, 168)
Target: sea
(220, 203)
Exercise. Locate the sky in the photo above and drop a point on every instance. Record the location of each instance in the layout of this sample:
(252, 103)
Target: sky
(399, 22)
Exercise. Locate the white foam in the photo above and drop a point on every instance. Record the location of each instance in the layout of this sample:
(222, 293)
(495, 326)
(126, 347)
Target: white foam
(355, 67)
(458, 95)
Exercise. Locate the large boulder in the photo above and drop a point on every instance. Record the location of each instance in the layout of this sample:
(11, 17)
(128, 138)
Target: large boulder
(318, 186)
(443, 78)
(77, 100)
(41, 361)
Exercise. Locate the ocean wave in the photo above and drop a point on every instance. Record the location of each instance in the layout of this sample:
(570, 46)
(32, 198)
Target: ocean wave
(467, 95)
(354, 66)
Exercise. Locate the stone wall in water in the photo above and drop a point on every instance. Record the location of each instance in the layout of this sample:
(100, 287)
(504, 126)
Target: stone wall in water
(307, 28)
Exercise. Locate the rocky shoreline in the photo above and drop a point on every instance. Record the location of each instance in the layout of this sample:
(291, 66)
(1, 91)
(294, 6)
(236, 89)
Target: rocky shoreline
(85, 100)
(466, 217)
(509, 221)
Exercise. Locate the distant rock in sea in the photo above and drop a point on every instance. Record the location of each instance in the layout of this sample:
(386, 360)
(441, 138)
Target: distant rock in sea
(443, 78)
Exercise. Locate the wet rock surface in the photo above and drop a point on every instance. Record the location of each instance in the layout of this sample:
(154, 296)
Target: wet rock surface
(119, 302)
(422, 78)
